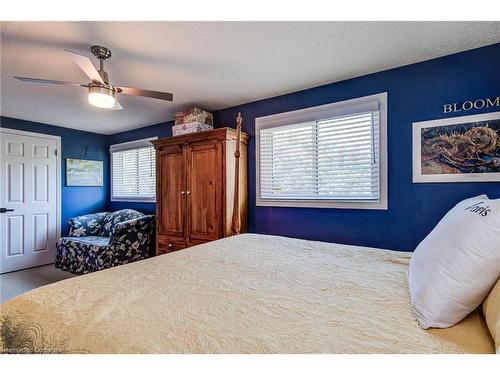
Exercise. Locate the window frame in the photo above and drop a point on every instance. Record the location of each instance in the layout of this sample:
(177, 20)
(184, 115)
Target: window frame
(139, 143)
(316, 113)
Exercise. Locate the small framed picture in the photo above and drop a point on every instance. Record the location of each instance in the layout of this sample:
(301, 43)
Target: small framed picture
(459, 149)
(80, 172)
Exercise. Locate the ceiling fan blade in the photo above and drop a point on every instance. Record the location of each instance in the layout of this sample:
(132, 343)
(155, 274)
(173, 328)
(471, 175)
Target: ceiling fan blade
(39, 80)
(147, 93)
(86, 65)
(117, 106)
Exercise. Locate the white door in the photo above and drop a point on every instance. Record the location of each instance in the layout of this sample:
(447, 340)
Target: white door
(28, 200)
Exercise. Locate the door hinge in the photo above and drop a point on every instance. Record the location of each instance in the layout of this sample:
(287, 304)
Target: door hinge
(55, 152)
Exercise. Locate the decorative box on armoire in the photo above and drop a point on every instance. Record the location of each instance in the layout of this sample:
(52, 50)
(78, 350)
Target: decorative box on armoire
(195, 186)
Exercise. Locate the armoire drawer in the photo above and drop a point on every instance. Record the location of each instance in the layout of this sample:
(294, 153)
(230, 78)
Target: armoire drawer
(167, 246)
(193, 242)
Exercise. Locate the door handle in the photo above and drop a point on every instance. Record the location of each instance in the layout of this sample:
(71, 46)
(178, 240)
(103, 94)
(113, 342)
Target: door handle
(182, 192)
(3, 210)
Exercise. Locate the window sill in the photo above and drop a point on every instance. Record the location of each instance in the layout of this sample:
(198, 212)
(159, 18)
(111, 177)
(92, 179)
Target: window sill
(136, 200)
(359, 205)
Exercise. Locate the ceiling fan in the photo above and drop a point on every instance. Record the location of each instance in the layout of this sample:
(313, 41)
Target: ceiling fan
(101, 93)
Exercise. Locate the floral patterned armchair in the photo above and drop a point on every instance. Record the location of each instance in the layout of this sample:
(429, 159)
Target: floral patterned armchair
(105, 239)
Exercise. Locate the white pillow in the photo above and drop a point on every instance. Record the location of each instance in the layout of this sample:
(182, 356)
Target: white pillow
(457, 264)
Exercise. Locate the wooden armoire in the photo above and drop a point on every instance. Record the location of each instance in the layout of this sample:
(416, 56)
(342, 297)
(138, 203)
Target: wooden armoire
(195, 185)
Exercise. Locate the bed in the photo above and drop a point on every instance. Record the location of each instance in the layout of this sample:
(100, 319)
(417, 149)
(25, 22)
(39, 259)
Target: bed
(243, 294)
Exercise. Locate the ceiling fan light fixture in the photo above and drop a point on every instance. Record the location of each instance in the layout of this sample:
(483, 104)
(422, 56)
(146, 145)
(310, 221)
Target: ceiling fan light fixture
(101, 94)
(101, 97)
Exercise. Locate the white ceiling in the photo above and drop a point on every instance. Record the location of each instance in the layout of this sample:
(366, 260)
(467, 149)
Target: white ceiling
(210, 64)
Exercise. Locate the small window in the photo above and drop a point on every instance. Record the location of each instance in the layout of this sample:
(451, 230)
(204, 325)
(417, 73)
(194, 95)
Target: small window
(133, 171)
(327, 156)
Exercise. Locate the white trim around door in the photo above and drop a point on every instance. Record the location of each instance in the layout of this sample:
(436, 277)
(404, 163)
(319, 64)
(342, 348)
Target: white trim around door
(57, 139)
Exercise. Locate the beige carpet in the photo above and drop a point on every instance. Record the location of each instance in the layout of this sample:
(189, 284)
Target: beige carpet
(15, 283)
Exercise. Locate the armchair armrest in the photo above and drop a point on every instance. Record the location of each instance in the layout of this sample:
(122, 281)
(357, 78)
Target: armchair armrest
(130, 239)
(86, 225)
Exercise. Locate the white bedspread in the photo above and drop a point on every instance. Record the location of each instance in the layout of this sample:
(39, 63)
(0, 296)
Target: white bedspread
(244, 294)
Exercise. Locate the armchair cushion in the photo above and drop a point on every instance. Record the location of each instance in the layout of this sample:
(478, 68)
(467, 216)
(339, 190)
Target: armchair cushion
(116, 217)
(86, 225)
(90, 240)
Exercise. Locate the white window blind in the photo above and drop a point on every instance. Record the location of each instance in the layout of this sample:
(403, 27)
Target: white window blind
(327, 159)
(133, 171)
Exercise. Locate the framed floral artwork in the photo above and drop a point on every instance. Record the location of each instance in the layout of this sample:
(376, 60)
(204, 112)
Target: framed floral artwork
(458, 149)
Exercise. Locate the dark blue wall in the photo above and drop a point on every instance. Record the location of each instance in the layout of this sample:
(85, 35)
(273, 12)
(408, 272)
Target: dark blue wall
(415, 93)
(75, 200)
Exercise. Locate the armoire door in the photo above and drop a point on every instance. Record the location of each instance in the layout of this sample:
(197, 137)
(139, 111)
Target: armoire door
(204, 170)
(171, 190)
